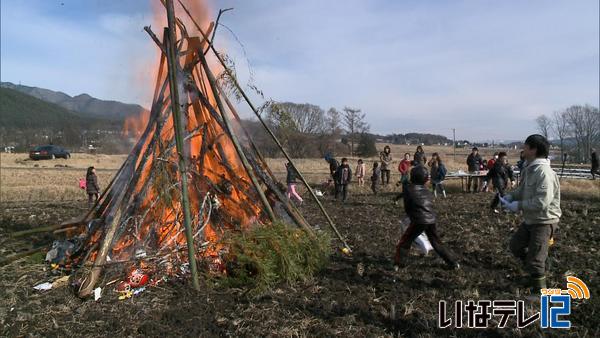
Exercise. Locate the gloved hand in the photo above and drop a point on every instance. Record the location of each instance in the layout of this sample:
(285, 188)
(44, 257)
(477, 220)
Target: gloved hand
(512, 206)
(513, 183)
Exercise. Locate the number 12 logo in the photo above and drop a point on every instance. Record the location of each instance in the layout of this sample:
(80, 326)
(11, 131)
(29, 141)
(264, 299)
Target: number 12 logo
(550, 314)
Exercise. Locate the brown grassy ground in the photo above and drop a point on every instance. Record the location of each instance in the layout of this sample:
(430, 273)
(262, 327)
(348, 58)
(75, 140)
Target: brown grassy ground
(398, 151)
(22, 179)
(57, 180)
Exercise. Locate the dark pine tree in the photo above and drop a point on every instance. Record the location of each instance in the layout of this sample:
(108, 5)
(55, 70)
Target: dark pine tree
(366, 145)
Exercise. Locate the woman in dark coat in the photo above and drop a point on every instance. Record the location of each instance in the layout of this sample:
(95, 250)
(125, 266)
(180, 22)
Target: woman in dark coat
(91, 186)
(386, 162)
(595, 164)
(419, 157)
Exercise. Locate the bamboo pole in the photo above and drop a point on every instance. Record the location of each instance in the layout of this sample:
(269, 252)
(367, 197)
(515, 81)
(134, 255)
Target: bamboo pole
(48, 228)
(239, 88)
(9, 259)
(213, 85)
(175, 104)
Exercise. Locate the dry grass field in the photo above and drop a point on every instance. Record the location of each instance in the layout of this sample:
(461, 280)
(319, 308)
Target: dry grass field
(57, 180)
(398, 151)
(51, 180)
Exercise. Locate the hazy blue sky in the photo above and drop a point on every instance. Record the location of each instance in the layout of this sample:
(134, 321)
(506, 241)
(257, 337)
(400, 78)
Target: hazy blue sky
(486, 68)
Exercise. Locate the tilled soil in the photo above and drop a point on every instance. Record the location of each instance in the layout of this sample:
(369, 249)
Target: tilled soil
(359, 295)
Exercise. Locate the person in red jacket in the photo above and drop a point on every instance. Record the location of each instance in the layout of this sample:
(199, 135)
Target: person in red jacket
(490, 165)
(491, 161)
(404, 168)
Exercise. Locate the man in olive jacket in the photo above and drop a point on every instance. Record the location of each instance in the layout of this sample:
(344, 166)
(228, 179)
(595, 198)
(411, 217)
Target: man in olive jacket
(538, 197)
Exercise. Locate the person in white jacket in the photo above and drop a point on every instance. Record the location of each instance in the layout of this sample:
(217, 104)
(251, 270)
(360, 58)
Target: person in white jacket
(538, 197)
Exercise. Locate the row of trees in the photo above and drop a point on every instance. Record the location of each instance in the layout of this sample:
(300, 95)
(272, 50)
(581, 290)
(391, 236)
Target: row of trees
(577, 129)
(306, 130)
(417, 138)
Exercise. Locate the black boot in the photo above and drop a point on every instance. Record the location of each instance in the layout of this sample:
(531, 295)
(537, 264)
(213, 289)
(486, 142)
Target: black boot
(536, 283)
(454, 266)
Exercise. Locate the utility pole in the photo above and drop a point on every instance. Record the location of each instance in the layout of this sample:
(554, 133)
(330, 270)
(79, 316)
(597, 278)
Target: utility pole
(454, 144)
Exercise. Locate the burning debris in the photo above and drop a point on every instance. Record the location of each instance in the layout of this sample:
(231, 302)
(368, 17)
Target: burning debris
(137, 229)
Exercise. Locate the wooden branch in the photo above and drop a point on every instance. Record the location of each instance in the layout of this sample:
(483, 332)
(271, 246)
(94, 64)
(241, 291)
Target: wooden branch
(156, 40)
(212, 38)
(38, 230)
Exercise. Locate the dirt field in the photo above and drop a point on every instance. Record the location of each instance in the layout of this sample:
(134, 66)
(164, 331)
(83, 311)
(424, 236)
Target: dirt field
(342, 300)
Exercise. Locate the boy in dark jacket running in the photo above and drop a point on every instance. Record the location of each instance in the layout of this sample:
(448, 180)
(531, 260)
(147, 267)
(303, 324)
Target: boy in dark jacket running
(500, 174)
(343, 176)
(418, 205)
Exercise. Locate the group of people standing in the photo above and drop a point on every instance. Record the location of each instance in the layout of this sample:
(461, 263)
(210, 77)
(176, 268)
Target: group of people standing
(436, 166)
(537, 197)
(341, 173)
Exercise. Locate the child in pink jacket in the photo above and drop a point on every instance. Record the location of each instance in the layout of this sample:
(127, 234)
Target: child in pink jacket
(360, 173)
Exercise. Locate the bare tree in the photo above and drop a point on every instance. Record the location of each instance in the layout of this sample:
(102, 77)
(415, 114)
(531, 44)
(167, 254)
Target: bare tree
(544, 125)
(334, 121)
(305, 118)
(596, 117)
(296, 125)
(576, 119)
(355, 124)
(560, 127)
(591, 130)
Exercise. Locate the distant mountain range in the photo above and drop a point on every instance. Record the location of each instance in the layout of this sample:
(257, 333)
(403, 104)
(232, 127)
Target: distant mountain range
(19, 111)
(82, 105)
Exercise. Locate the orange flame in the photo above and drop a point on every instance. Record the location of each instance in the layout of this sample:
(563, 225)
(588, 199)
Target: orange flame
(211, 156)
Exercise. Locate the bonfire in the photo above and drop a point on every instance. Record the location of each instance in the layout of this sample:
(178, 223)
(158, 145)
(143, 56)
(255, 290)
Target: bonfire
(193, 175)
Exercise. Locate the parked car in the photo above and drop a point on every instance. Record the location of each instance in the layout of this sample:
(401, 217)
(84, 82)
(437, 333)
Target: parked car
(48, 152)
